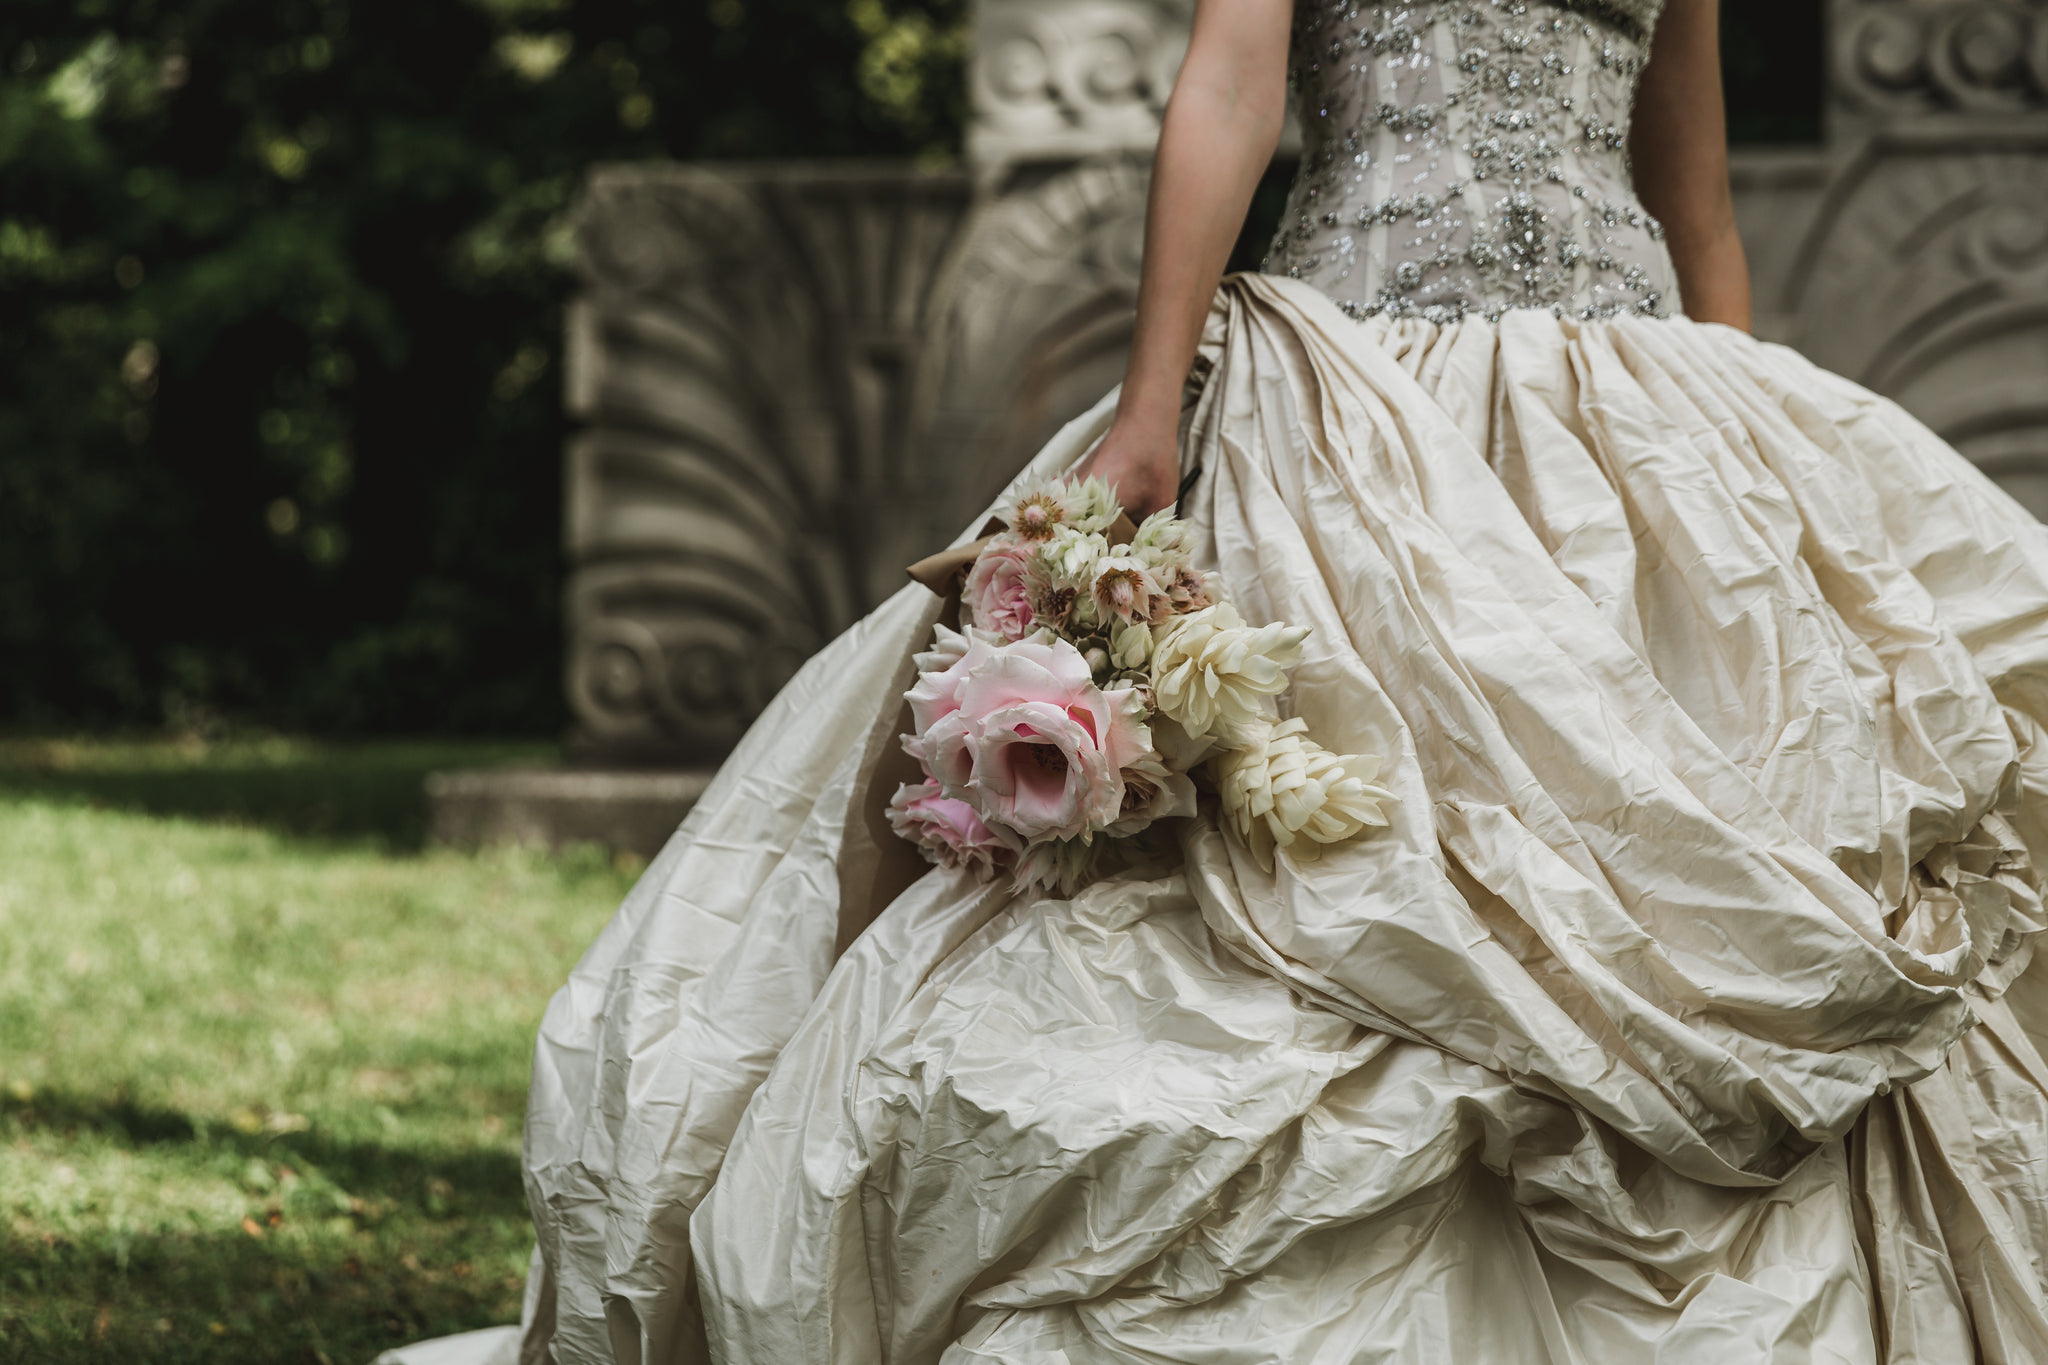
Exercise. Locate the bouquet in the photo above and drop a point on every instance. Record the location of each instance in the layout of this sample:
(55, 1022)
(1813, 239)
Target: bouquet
(1096, 676)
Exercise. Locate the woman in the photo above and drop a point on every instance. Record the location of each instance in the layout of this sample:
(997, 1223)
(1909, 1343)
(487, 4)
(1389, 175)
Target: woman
(1684, 1010)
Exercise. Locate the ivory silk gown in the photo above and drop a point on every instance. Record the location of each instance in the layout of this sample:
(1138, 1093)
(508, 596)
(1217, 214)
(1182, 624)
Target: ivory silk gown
(1683, 1014)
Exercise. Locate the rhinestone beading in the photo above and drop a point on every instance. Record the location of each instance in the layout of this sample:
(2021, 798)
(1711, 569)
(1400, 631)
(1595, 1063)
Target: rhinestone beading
(1470, 156)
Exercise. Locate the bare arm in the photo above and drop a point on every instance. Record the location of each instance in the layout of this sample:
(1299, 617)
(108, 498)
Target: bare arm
(1678, 146)
(1221, 126)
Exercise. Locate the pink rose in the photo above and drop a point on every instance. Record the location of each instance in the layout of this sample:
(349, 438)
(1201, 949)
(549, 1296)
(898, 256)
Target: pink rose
(940, 670)
(1034, 745)
(1152, 791)
(947, 832)
(998, 591)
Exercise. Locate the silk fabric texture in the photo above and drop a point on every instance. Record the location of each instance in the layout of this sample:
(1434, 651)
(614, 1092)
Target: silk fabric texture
(1682, 1014)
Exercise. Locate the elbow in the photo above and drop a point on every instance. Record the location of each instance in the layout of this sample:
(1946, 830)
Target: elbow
(1251, 112)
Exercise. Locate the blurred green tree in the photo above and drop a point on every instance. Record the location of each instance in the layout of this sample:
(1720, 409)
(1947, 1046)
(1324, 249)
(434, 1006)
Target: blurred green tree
(279, 315)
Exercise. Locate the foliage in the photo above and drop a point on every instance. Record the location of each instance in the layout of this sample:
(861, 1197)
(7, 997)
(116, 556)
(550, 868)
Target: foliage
(280, 287)
(260, 1093)
(1772, 61)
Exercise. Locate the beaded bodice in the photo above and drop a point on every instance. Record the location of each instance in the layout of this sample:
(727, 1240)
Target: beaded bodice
(1471, 156)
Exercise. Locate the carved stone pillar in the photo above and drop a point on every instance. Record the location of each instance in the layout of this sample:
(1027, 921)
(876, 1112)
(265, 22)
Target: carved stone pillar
(742, 354)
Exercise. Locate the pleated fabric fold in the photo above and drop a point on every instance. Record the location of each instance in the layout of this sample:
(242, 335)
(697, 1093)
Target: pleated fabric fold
(1685, 1011)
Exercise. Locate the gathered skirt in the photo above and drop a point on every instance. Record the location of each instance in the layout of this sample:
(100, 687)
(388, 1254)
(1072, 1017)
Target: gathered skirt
(1684, 1012)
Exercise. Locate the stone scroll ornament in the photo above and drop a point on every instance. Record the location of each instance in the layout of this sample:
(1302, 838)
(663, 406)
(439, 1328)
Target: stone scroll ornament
(1097, 674)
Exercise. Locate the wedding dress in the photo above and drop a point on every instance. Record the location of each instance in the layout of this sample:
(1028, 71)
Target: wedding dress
(1684, 1011)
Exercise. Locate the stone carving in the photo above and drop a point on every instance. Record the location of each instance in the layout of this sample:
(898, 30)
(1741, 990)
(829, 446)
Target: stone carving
(740, 353)
(1060, 80)
(1907, 57)
(797, 380)
(1924, 276)
(1921, 269)
(1032, 326)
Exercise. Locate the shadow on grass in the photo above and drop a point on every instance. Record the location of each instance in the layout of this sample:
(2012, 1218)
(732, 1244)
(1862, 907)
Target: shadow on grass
(366, 791)
(229, 1299)
(485, 1182)
(356, 1248)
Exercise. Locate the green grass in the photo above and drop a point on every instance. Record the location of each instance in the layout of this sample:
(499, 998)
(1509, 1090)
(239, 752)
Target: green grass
(262, 1059)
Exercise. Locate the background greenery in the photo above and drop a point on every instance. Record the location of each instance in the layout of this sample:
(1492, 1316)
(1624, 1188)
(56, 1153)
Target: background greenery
(280, 286)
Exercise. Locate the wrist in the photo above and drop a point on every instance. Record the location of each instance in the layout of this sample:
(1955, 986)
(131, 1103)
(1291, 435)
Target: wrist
(1146, 423)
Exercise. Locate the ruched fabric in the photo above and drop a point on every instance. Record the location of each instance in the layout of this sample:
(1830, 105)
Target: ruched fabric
(1684, 1012)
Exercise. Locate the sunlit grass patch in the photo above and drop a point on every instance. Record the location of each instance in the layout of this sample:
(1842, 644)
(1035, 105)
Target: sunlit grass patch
(260, 1093)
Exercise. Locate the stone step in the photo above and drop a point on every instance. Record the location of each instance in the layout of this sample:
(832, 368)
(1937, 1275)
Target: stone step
(633, 810)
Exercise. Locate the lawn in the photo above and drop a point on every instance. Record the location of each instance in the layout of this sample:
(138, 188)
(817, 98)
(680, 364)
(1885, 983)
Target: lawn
(263, 1057)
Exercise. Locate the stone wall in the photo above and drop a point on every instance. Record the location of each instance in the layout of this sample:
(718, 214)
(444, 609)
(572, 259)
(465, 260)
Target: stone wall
(794, 378)
(1910, 253)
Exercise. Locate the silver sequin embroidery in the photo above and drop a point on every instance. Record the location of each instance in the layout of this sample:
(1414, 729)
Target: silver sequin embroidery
(1471, 156)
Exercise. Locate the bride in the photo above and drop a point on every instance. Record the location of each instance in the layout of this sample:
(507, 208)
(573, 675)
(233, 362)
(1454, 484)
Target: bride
(1683, 1012)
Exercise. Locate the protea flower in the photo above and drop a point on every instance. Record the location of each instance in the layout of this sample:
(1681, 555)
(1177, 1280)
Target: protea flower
(1041, 508)
(1187, 591)
(1125, 590)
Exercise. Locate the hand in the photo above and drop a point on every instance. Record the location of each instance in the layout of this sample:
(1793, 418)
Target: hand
(1144, 469)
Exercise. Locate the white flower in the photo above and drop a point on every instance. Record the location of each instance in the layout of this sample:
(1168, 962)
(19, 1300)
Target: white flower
(1285, 790)
(1092, 503)
(1042, 506)
(1179, 750)
(1131, 647)
(1212, 671)
(1069, 557)
(1059, 865)
(1164, 542)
